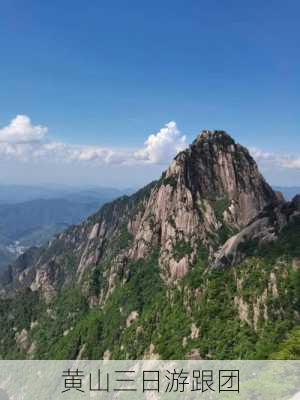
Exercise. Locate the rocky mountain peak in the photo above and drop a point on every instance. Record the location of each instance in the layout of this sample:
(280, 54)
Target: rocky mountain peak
(145, 266)
(216, 167)
(211, 191)
(216, 136)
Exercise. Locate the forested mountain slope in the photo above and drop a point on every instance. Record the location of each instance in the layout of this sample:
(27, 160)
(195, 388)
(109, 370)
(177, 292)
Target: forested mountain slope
(203, 263)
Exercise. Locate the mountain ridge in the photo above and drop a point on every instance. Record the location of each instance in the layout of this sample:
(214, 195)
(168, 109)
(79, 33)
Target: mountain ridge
(211, 209)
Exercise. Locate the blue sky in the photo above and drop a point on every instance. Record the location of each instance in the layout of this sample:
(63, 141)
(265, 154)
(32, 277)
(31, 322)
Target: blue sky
(107, 74)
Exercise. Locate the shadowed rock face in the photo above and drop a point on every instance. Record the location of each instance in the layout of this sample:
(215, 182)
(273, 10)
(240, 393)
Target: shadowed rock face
(296, 203)
(215, 166)
(208, 195)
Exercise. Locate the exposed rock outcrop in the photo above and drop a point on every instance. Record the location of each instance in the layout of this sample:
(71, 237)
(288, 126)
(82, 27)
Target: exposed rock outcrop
(211, 197)
(149, 275)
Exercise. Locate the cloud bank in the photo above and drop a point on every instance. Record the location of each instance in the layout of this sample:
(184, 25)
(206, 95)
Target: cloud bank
(22, 140)
(271, 160)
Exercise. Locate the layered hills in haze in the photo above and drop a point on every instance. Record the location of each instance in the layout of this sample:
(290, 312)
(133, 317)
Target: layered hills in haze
(30, 216)
(203, 263)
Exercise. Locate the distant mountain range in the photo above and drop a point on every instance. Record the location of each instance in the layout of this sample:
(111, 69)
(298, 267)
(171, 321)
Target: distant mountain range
(30, 216)
(288, 192)
(12, 194)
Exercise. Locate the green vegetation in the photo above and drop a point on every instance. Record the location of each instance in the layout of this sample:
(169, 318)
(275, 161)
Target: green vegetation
(288, 243)
(241, 312)
(70, 326)
(220, 206)
(225, 232)
(181, 249)
(125, 237)
(17, 314)
(171, 180)
(290, 348)
(61, 316)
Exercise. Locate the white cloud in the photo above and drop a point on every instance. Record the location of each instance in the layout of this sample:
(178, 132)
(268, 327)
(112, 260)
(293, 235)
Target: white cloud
(292, 164)
(99, 154)
(162, 146)
(271, 160)
(23, 141)
(20, 130)
(260, 155)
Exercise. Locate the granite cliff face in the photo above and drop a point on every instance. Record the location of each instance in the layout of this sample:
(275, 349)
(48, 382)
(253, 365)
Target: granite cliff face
(209, 205)
(211, 191)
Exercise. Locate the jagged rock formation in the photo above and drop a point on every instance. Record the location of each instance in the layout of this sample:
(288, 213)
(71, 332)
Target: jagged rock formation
(210, 191)
(208, 206)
